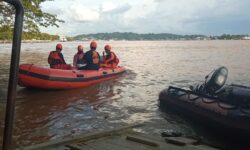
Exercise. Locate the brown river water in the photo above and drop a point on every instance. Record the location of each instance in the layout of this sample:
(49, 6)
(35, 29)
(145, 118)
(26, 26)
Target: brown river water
(132, 98)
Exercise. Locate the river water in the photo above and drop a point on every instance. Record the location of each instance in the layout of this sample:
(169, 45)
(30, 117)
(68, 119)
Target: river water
(132, 98)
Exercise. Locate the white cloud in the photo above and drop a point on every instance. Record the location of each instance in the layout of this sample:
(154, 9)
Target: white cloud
(81, 13)
(119, 9)
(182, 16)
(107, 6)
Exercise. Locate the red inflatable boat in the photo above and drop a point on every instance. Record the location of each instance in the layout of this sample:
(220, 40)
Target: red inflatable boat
(47, 78)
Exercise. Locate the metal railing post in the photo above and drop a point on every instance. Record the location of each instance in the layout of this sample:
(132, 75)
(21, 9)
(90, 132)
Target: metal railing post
(14, 68)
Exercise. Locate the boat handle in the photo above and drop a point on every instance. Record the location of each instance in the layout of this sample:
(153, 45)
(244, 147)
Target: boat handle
(80, 76)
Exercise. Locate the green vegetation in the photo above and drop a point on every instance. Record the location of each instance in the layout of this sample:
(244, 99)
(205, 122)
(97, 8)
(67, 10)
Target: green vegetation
(34, 18)
(152, 36)
(70, 38)
(39, 36)
(6, 34)
(230, 37)
(134, 36)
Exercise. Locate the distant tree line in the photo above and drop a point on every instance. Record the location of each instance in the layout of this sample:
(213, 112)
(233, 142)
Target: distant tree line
(152, 36)
(230, 37)
(133, 36)
(39, 36)
(6, 34)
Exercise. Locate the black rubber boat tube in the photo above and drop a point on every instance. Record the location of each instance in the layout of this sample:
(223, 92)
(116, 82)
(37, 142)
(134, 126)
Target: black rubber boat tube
(14, 68)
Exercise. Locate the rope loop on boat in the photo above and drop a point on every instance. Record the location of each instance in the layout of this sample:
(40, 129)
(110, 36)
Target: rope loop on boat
(192, 99)
(219, 103)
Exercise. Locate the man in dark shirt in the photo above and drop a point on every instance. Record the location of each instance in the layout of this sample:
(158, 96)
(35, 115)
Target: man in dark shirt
(92, 57)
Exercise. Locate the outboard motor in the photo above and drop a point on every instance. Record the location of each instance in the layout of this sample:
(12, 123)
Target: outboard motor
(213, 84)
(216, 105)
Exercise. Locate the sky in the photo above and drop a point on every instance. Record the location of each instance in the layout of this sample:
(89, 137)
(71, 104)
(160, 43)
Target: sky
(208, 17)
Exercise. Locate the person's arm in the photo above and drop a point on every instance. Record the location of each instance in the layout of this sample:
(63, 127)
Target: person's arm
(61, 55)
(111, 58)
(103, 57)
(50, 59)
(99, 58)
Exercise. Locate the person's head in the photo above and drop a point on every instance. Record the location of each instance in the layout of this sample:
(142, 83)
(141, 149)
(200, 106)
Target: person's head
(93, 45)
(107, 48)
(80, 48)
(59, 47)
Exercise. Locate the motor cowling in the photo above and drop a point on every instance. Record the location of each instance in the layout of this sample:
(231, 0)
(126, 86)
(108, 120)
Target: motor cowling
(213, 83)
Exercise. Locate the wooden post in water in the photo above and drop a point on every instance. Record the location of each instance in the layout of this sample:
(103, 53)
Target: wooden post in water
(14, 68)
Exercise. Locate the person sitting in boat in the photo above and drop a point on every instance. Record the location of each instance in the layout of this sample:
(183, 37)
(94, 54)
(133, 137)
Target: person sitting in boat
(56, 60)
(92, 57)
(110, 60)
(79, 61)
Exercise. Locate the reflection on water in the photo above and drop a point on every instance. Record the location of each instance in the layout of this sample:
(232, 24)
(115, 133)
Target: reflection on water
(43, 115)
(56, 114)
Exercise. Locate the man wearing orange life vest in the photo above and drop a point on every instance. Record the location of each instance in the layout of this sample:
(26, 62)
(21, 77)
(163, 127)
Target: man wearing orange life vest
(56, 60)
(92, 57)
(79, 61)
(110, 60)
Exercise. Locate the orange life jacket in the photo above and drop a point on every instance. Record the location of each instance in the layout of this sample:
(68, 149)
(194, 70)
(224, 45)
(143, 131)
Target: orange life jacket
(111, 59)
(55, 58)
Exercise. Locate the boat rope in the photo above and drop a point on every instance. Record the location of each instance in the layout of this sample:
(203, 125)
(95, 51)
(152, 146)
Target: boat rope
(194, 96)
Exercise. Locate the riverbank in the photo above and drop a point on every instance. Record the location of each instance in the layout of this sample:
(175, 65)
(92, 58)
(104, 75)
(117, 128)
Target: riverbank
(84, 40)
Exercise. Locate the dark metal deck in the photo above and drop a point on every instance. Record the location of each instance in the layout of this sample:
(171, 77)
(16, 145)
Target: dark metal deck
(120, 139)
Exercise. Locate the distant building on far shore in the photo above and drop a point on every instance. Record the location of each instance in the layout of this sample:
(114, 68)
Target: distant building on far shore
(62, 38)
(246, 38)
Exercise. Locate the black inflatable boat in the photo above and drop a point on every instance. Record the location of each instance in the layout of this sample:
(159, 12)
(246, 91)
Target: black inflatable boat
(226, 107)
